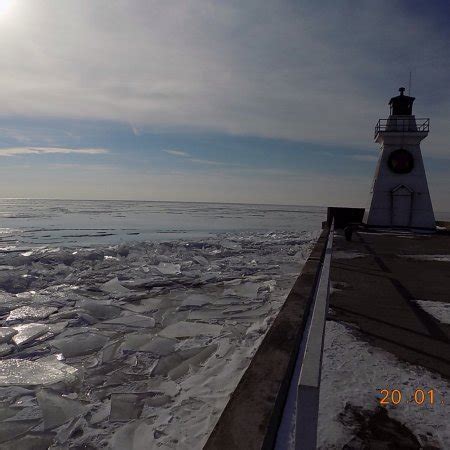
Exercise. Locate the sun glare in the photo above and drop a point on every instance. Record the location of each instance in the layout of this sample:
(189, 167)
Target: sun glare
(5, 6)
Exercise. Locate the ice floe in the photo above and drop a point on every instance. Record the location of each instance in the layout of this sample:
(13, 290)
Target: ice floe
(30, 313)
(28, 332)
(6, 334)
(57, 409)
(19, 372)
(83, 344)
(138, 344)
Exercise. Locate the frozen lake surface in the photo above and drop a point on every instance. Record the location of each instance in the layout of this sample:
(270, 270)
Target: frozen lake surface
(73, 222)
(128, 324)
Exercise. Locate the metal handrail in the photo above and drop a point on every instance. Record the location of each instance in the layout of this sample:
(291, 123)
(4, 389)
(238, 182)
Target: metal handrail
(402, 124)
(301, 410)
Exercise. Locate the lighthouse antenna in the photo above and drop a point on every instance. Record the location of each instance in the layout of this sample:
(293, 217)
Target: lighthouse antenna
(409, 84)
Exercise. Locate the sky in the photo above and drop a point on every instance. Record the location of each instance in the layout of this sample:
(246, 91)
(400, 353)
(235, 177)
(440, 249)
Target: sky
(247, 102)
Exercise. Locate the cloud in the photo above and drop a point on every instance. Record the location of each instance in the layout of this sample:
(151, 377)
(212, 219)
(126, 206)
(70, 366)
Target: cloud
(198, 160)
(16, 151)
(293, 70)
(176, 152)
(210, 162)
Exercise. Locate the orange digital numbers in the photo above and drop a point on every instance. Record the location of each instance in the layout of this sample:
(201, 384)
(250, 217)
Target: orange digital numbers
(396, 396)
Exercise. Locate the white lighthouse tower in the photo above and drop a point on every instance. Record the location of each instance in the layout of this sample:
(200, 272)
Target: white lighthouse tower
(399, 197)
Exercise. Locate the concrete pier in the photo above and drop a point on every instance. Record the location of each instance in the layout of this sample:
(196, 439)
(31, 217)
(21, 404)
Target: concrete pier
(378, 276)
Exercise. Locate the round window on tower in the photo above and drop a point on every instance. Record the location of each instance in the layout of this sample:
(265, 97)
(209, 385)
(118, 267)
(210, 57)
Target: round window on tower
(401, 161)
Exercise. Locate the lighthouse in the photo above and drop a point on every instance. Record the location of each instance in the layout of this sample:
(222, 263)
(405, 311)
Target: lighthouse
(399, 197)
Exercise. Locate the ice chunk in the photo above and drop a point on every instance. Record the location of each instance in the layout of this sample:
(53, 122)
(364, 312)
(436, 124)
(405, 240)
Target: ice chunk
(11, 429)
(167, 268)
(177, 365)
(125, 407)
(190, 329)
(139, 307)
(56, 328)
(115, 288)
(57, 409)
(137, 435)
(196, 300)
(98, 309)
(231, 245)
(201, 260)
(80, 344)
(144, 343)
(206, 314)
(244, 290)
(133, 320)
(6, 349)
(6, 334)
(28, 332)
(30, 312)
(55, 361)
(21, 372)
(29, 442)
(101, 413)
(153, 303)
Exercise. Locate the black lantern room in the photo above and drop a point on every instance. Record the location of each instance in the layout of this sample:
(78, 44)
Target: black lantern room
(402, 104)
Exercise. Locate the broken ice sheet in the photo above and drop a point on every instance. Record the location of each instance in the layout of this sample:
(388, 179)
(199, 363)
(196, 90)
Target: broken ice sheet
(133, 320)
(11, 429)
(30, 312)
(29, 442)
(99, 309)
(196, 300)
(201, 260)
(167, 268)
(178, 364)
(125, 406)
(115, 288)
(6, 334)
(151, 344)
(28, 332)
(21, 372)
(57, 409)
(136, 435)
(244, 290)
(231, 245)
(6, 349)
(80, 344)
(190, 329)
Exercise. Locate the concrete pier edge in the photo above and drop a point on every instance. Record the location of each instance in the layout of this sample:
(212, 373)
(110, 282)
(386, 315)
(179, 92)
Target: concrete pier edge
(253, 413)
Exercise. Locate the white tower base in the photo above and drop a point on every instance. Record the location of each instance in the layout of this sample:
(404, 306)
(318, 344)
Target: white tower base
(400, 200)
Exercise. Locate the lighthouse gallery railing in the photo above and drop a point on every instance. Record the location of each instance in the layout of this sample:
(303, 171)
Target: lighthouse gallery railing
(402, 124)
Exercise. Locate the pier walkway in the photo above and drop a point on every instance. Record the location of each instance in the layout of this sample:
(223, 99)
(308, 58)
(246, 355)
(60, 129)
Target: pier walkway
(377, 278)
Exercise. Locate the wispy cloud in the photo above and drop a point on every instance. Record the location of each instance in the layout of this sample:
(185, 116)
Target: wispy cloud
(177, 153)
(188, 157)
(17, 151)
(209, 162)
